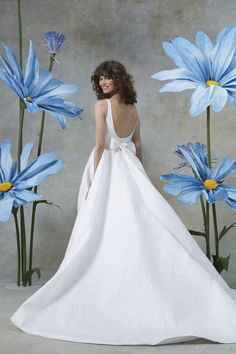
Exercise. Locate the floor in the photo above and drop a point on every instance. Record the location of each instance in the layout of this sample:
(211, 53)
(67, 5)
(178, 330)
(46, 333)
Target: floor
(13, 340)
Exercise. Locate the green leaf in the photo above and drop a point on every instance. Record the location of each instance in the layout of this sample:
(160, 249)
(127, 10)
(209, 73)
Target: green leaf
(221, 263)
(197, 233)
(46, 202)
(38, 272)
(226, 229)
(29, 273)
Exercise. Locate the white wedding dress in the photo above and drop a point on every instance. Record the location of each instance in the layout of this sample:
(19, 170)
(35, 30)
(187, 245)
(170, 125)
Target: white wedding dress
(132, 273)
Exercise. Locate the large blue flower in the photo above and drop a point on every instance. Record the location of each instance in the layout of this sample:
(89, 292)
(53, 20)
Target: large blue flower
(13, 185)
(54, 40)
(209, 68)
(37, 88)
(189, 188)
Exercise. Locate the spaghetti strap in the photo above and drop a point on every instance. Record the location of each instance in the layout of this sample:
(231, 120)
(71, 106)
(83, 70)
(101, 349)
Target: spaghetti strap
(108, 117)
(135, 126)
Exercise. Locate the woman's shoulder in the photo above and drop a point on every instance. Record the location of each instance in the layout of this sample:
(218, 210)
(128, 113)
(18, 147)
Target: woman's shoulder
(100, 107)
(133, 108)
(101, 103)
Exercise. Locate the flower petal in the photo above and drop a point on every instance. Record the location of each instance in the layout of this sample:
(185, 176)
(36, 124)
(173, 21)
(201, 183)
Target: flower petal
(31, 67)
(232, 203)
(12, 83)
(174, 74)
(36, 166)
(5, 158)
(226, 166)
(14, 65)
(223, 51)
(173, 53)
(190, 195)
(213, 196)
(178, 86)
(228, 188)
(6, 204)
(219, 98)
(31, 106)
(229, 80)
(200, 99)
(61, 91)
(24, 196)
(195, 162)
(192, 56)
(59, 108)
(60, 118)
(180, 177)
(39, 176)
(25, 154)
(38, 85)
(205, 45)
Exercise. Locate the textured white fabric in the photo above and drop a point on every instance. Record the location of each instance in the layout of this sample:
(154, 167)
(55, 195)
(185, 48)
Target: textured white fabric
(132, 273)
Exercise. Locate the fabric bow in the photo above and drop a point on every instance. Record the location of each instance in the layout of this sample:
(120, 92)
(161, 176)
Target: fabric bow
(122, 145)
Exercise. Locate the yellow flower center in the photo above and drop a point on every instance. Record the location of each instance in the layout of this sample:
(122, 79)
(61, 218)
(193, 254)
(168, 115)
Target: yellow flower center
(210, 184)
(212, 82)
(5, 186)
(28, 98)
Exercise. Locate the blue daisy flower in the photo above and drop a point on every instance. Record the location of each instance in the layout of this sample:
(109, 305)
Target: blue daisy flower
(207, 182)
(37, 88)
(13, 185)
(208, 68)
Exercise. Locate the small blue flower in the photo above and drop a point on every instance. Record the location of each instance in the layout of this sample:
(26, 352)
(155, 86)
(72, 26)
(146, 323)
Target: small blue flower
(54, 40)
(37, 88)
(198, 148)
(208, 68)
(13, 185)
(189, 188)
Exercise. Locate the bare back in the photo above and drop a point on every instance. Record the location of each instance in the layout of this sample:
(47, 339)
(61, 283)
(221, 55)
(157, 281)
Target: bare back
(125, 118)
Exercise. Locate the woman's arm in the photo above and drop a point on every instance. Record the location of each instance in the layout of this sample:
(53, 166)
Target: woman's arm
(100, 109)
(136, 138)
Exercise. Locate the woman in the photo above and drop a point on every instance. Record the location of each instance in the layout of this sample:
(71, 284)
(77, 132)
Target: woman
(123, 98)
(132, 273)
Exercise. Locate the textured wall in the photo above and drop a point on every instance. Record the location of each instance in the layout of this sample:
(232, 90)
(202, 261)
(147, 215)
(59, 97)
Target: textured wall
(131, 31)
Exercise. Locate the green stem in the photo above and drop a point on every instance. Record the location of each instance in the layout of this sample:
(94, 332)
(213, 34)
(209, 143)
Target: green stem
(215, 229)
(20, 32)
(18, 247)
(204, 222)
(23, 243)
(208, 137)
(51, 60)
(21, 102)
(209, 164)
(203, 209)
(20, 132)
(208, 251)
(22, 220)
(19, 150)
(203, 213)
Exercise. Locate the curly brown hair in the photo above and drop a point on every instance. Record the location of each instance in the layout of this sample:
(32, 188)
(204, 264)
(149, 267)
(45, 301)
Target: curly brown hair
(123, 81)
